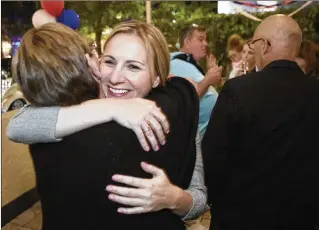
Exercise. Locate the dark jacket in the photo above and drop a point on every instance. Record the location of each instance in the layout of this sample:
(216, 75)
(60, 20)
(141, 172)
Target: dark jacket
(261, 151)
(313, 74)
(72, 174)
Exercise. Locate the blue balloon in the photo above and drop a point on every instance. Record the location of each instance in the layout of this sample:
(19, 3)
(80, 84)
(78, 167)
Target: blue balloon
(69, 18)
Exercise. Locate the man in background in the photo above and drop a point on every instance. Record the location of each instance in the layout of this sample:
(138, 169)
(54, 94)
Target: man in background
(185, 64)
(261, 147)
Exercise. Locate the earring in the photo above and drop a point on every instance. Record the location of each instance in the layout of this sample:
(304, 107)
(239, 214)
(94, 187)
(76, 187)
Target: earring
(156, 82)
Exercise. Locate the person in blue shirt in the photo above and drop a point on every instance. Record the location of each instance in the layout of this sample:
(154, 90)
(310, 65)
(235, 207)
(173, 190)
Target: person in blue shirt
(193, 45)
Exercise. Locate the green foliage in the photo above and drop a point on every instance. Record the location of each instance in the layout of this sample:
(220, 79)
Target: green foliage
(171, 16)
(220, 26)
(95, 16)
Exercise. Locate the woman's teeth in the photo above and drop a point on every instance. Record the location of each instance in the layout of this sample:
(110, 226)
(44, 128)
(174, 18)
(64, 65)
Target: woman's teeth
(118, 91)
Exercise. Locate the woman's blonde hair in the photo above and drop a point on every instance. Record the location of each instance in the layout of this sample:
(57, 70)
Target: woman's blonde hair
(155, 45)
(51, 69)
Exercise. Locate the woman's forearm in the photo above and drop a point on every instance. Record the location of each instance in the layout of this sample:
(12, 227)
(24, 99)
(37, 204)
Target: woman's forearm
(182, 203)
(130, 113)
(190, 203)
(197, 188)
(49, 124)
(85, 115)
(199, 199)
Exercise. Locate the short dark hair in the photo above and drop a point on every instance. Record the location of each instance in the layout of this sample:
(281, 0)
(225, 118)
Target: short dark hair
(188, 31)
(51, 69)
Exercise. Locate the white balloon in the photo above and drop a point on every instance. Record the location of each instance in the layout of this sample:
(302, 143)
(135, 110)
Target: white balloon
(41, 17)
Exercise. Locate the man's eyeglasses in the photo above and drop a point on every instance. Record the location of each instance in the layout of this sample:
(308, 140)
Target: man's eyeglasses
(251, 44)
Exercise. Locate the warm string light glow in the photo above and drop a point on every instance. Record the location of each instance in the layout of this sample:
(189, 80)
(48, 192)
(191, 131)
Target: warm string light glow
(6, 48)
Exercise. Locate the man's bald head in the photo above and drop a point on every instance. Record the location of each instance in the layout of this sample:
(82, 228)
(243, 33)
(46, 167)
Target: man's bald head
(281, 39)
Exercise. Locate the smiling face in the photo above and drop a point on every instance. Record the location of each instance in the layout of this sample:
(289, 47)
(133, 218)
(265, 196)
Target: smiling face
(124, 68)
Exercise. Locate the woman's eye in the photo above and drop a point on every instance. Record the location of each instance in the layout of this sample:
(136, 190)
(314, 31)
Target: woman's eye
(109, 62)
(133, 67)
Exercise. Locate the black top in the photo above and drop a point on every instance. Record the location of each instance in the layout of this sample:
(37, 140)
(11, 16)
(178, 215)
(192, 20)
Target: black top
(72, 174)
(313, 74)
(261, 152)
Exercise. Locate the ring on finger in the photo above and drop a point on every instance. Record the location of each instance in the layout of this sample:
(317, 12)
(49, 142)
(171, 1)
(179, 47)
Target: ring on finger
(147, 129)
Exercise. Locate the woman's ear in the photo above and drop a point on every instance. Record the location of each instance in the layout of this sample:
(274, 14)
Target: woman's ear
(156, 82)
(93, 63)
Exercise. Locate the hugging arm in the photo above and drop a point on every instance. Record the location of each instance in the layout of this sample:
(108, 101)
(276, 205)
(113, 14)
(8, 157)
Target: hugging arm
(197, 188)
(50, 124)
(34, 125)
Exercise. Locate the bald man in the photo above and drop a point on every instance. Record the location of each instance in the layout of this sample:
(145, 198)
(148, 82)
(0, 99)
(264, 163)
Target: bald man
(261, 147)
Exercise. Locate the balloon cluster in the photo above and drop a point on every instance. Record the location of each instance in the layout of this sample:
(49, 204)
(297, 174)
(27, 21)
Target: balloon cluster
(53, 11)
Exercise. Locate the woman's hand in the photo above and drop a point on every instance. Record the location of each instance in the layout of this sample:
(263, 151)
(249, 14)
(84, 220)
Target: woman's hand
(149, 195)
(145, 118)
